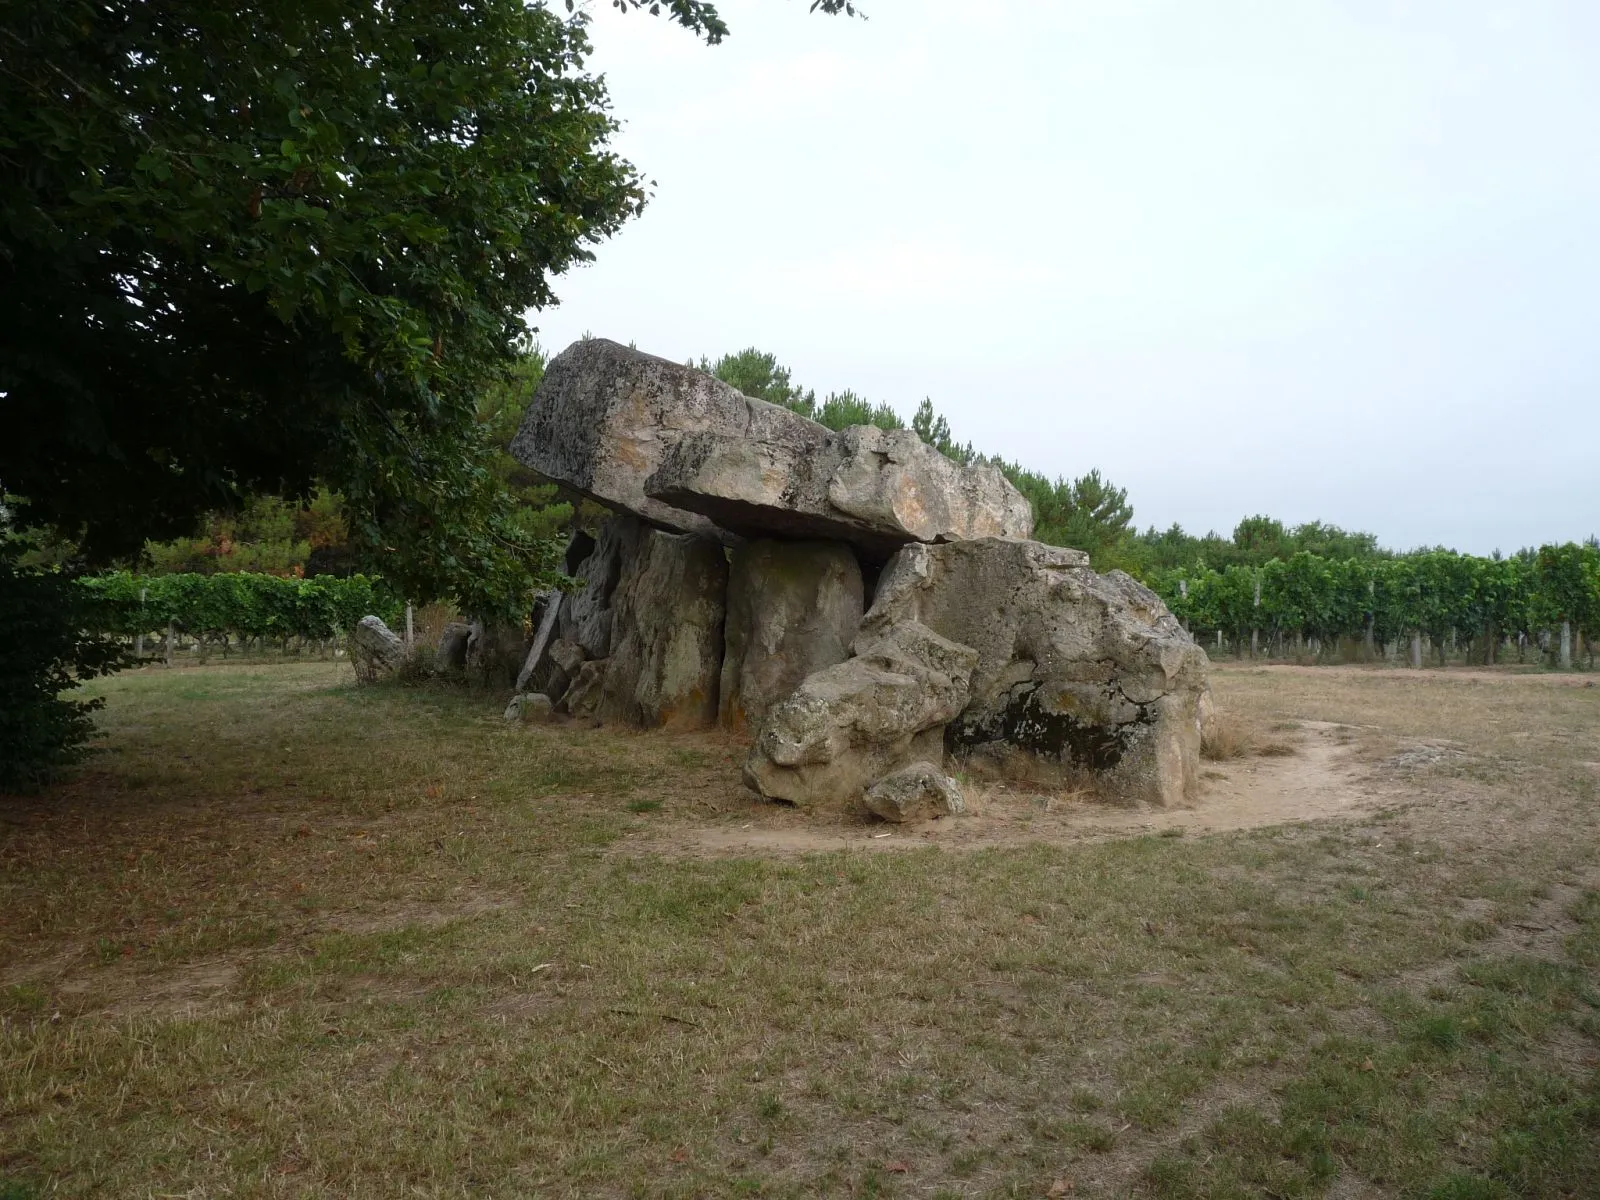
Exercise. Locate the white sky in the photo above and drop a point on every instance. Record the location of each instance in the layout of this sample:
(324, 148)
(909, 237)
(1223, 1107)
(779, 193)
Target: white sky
(1333, 259)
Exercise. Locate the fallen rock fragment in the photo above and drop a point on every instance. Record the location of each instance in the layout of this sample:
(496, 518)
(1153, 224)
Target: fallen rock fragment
(531, 708)
(917, 792)
(582, 698)
(849, 725)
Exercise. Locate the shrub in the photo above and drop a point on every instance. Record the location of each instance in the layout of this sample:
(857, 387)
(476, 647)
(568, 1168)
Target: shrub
(45, 652)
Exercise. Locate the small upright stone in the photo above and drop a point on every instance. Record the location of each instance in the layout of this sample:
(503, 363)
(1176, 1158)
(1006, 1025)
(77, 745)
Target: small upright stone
(375, 650)
(451, 656)
(531, 708)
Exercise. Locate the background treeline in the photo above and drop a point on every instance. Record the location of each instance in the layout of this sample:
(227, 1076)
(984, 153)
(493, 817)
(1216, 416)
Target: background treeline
(1088, 512)
(1319, 585)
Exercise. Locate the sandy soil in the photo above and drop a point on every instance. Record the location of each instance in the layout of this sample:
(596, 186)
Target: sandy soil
(1325, 776)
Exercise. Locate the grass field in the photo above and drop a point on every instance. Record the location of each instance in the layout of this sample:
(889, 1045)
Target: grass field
(288, 937)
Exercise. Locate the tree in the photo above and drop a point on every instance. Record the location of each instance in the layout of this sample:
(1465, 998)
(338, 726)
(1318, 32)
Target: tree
(247, 250)
(757, 373)
(45, 652)
(251, 250)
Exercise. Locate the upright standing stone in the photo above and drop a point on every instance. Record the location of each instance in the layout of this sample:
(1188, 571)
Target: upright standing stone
(586, 615)
(375, 649)
(666, 646)
(793, 608)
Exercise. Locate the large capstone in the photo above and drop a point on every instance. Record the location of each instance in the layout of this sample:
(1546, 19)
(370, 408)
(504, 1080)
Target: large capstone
(848, 725)
(1085, 674)
(793, 609)
(666, 641)
(687, 452)
(877, 489)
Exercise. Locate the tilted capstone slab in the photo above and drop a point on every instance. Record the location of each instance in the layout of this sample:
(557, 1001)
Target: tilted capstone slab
(687, 452)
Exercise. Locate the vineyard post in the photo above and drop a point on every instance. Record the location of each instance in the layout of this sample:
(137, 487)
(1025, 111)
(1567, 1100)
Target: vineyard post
(169, 642)
(138, 641)
(1416, 649)
(1255, 625)
(1566, 645)
(1372, 601)
(411, 635)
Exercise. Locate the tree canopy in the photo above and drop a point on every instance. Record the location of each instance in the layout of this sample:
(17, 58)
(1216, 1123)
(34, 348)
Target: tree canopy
(248, 249)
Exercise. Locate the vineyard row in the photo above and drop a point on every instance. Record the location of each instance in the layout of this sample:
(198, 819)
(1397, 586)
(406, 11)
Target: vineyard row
(249, 608)
(1478, 605)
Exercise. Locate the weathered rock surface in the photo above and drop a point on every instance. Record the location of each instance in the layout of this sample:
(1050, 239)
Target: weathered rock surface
(1083, 672)
(582, 698)
(531, 708)
(451, 655)
(849, 725)
(877, 489)
(375, 649)
(793, 609)
(685, 451)
(666, 652)
(917, 792)
(586, 616)
(569, 656)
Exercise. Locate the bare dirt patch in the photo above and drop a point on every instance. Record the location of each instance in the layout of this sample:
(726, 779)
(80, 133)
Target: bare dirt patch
(1314, 771)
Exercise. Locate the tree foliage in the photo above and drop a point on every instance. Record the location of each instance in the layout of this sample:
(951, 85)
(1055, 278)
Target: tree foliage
(50, 646)
(245, 250)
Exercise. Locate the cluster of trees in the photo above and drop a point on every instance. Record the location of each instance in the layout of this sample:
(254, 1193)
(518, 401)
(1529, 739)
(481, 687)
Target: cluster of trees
(269, 535)
(1255, 541)
(253, 251)
(1545, 598)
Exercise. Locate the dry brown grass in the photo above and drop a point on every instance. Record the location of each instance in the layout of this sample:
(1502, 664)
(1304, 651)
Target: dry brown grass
(1233, 736)
(288, 937)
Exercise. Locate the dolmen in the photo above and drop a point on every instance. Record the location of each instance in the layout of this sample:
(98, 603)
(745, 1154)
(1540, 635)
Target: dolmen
(868, 612)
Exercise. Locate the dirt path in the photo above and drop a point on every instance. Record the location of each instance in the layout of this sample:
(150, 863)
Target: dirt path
(1322, 778)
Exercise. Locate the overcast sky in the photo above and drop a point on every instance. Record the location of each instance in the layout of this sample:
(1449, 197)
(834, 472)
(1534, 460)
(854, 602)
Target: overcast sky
(1335, 260)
